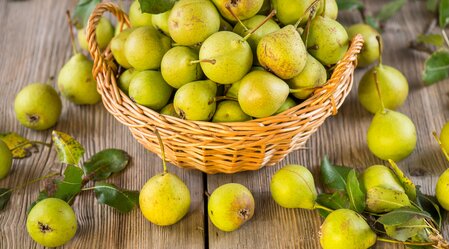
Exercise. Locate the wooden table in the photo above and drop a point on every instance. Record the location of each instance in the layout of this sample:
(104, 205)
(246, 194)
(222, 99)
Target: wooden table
(34, 44)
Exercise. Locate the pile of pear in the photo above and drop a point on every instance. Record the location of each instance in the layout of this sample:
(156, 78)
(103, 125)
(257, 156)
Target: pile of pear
(228, 61)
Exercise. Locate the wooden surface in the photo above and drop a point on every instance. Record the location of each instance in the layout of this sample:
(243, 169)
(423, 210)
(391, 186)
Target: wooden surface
(34, 45)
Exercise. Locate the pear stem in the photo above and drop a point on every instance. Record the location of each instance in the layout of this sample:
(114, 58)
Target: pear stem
(87, 189)
(441, 145)
(32, 143)
(311, 9)
(72, 37)
(228, 7)
(318, 206)
(379, 41)
(161, 144)
(211, 61)
(33, 181)
(272, 13)
(376, 81)
(324, 8)
(405, 242)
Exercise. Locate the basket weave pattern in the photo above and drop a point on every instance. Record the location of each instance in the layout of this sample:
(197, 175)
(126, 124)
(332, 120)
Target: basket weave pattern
(219, 147)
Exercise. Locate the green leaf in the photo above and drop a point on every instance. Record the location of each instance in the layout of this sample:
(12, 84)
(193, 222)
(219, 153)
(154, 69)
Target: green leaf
(333, 176)
(443, 13)
(407, 230)
(371, 21)
(70, 186)
(401, 216)
(407, 184)
(101, 165)
(349, 4)
(337, 200)
(436, 67)
(430, 205)
(156, 6)
(431, 39)
(5, 195)
(355, 193)
(390, 9)
(82, 12)
(69, 150)
(122, 200)
(18, 145)
(432, 5)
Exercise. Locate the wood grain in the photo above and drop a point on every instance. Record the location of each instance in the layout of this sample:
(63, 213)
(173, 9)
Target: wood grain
(34, 46)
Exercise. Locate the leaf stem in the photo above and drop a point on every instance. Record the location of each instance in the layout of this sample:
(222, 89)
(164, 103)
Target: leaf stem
(34, 180)
(228, 7)
(379, 41)
(405, 242)
(318, 206)
(87, 189)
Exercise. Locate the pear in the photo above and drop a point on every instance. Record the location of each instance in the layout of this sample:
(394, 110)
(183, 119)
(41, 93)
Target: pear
(370, 51)
(266, 8)
(290, 11)
(196, 100)
(393, 86)
(327, 40)
(5, 160)
(192, 21)
(328, 8)
(261, 94)
(288, 103)
(293, 187)
(137, 18)
(391, 135)
(125, 79)
(233, 91)
(169, 109)
(282, 52)
(145, 48)
(104, 32)
(381, 176)
(225, 57)
(253, 40)
(229, 111)
(37, 106)
(242, 9)
(444, 137)
(118, 48)
(224, 25)
(160, 22)
(313, 75)
(346, 229)
(76, 83)
(177, 67)
(149, 89)
(381, 200)
(230, 206)
(442, 190)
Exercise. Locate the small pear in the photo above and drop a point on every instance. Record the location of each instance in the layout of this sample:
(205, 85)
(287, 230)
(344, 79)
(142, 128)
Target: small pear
(5, 160)
(261, 94)
(313, 75)
(230, 206)
(137, 18)
(169, 109)
(145, 48)
(370, 51)
(76, 83)
(104, 32)
(192, 21)
(391, 135)
(330, 9)
(381, 176)
(160, 22)
(290, 11)
(442, 190)
(37, 106)
(125, 79)
(118, 48)
(233, 91)
(225, 57)
(177, 67)
(346, 229)
(288, 103)
(282, 52)
(149, 89)
(327, 40)
(196, 100)
(229, 111)
(242, 9)
(293, 187)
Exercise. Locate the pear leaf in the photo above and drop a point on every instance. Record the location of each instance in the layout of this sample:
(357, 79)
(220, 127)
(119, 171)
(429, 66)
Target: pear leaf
(355, 193)
(82, 11)
(401, 216)
(69, 150)
(432, 5)
(436, 67)
(120, 199)
(406, 230)
(334, 176)
(443, 13)
(156, 6)
(430, 204)
(5, 195)
(349, 4)
(70, 186)
(407, 184)
(101, 165)
(431, 39)
(19, 146)
(337, 200)
(390, 9)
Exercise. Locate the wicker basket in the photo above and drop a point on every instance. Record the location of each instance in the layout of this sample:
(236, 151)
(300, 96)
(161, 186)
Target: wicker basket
(219, 147)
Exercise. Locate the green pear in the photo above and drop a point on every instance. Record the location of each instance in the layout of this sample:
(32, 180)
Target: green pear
(293, 187)
(392, 84)
(290, 11)
(196, 100)
(282, 52)
(230, 206)
(137, 18)
(145, 48)
(253, 40)
(192, 21)
(288, 103)
(118, 48)
(391, 135)
(169, 109)
(329, 7)
(444, 137)
(261, 94)
(177, 67)
(233, 91)
(381, 200)
(242, 9)
(160, 22)
(164, 199)
(5, 160)
(381, 176)
(125, 79)
(346, 229)
(327, 40)
(442, 190)
(149, 89)
(104, 32)
(37, 106)
(229, 111)
(225, 57)
(313, 75)
(76, 83)
(370, 51)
